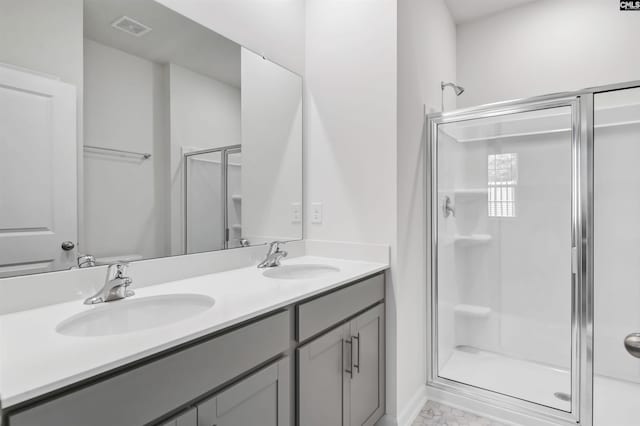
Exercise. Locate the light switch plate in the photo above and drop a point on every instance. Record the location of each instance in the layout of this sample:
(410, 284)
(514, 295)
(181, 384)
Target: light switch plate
(316, 213)
(296, 212)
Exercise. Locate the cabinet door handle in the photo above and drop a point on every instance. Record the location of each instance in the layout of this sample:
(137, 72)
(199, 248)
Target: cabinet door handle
(356, 365)
(350, 370)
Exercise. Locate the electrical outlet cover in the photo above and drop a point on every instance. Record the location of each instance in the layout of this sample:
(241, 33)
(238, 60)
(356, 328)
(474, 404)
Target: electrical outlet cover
(296, 213)
(316, 213)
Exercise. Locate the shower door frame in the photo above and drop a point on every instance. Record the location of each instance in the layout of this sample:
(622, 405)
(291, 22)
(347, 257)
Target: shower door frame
(581, 104)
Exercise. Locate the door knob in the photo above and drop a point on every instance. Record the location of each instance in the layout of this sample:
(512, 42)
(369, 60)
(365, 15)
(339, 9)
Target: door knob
(68, 245)
(632, 344)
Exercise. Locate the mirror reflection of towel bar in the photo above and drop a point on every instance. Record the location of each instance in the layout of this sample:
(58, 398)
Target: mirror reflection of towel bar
(144, 155)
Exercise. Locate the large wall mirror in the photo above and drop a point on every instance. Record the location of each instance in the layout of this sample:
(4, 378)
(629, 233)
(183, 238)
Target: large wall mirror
(129, 132)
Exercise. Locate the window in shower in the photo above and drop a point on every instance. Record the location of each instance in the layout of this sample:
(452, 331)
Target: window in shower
(503, 178)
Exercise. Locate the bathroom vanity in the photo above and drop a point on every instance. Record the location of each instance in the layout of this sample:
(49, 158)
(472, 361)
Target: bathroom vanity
(280, 351)
(164, 144)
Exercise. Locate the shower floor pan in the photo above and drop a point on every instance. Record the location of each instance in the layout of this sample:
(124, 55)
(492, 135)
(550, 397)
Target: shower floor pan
(542, 384)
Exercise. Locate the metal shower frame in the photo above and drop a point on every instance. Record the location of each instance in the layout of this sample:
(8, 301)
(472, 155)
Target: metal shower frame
(581, 103)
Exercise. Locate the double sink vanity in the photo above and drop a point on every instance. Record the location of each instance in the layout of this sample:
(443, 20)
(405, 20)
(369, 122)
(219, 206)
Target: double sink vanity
(300, 343)
(189, 160)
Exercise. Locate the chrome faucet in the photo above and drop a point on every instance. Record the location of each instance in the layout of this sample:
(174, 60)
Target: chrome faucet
(274, 255)
(116, 285)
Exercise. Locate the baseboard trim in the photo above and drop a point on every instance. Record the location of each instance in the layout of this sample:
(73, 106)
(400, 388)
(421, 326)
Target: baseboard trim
(387, 420)
(413, 407)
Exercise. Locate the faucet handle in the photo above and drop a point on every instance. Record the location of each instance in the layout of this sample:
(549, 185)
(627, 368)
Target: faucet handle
(86, 261)
(274, 246)
(120, 269)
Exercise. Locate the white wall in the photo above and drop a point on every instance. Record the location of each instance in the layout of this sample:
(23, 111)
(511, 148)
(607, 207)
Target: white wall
(124, 101)
(350, 128)
(43, 36)
(271, 150)
(203, 113)
(350, 112)
(544, 47)
(273, 28)
(426, 55)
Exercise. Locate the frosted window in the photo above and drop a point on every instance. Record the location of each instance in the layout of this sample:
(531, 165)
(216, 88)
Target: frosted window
(503, 178)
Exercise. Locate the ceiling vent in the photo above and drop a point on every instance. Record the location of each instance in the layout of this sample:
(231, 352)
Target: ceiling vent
(131, 26)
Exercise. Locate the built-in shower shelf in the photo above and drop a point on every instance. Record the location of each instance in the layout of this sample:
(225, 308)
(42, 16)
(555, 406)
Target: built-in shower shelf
(472, 240)
(236, 227)
(236, 197)
(472, 311)
(470, 192)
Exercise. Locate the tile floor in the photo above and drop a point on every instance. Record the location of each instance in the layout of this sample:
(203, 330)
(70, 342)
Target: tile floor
(434, 413)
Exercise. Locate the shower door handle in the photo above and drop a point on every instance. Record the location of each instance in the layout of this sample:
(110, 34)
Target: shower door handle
(632, 344)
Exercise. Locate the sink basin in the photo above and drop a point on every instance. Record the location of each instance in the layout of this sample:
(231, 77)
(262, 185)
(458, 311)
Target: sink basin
(129, 315)
(300, 272)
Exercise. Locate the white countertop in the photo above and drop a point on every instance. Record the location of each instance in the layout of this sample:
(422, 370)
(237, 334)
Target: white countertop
(35, 359)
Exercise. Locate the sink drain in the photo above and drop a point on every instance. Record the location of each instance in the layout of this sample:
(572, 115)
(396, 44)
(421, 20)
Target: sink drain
(562, 396)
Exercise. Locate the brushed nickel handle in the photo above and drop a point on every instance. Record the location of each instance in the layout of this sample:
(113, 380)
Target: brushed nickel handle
(357, 364)
(632, 344)
(350, 370)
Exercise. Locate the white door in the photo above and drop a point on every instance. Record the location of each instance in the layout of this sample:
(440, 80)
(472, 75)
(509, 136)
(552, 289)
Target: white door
(38, 170)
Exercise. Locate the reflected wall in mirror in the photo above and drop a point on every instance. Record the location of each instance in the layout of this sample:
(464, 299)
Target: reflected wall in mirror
(131, 132)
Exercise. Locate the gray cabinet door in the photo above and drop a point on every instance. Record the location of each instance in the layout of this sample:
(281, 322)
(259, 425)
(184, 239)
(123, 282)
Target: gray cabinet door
(321, 382)
(367, 388)
(263, 399)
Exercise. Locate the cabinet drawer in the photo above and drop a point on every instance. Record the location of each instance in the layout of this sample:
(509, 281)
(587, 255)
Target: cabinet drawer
(321, 313)
(142, 394)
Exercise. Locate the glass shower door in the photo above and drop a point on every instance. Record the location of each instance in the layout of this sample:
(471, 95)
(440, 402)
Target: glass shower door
(204, 207)
(503, 233)
(616, 384)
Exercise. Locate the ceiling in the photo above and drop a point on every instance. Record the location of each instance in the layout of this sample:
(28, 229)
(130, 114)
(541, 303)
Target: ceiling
(470, 10)
(173, 38)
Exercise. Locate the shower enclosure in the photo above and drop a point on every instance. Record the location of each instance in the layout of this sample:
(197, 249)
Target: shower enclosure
(535, 255)
(213, 199)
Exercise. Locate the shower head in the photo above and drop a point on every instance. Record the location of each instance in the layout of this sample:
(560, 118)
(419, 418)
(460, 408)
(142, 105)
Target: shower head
(456, 88)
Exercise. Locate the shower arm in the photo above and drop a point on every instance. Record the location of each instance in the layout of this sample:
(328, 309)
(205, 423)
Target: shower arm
(456, 88)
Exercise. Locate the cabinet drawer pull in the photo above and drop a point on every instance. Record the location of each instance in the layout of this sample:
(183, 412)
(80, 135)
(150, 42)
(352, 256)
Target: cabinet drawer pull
(349, 370)
(356, 365)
